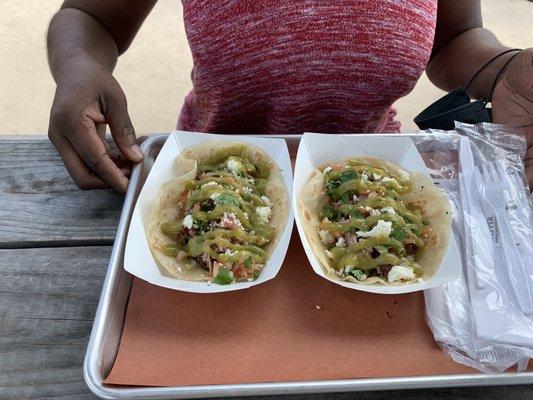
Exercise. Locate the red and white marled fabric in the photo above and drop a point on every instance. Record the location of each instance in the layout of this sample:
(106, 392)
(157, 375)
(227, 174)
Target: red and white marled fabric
(280, 66)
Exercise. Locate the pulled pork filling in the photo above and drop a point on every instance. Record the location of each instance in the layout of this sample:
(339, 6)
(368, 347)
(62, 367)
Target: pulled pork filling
(368, 230)
(223, 218)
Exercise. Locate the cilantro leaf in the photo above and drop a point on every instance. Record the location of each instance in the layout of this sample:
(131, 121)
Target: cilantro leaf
(200, 225)
(357, 274)
(328, 212)
(224, 277)
(347, 175)
(398, 234)
(331, 186)
(355, 213)
(226, 198)
(248, 263)
(345, 199)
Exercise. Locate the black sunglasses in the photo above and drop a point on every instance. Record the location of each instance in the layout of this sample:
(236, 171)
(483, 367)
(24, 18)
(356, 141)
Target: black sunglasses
(457, 105)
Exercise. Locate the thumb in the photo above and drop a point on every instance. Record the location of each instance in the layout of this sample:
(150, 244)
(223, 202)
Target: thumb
(122, 130)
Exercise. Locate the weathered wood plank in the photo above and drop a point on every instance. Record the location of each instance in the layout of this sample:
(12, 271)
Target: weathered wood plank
(41, 206)
(48, 297)
(51, 283)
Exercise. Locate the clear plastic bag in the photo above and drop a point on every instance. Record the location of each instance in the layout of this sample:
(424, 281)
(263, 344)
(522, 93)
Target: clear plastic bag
(484, 319)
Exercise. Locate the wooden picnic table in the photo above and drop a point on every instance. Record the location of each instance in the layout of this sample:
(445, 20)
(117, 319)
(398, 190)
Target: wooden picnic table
(55, 243)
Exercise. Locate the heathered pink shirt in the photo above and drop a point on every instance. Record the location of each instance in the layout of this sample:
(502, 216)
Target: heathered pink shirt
(279, 66)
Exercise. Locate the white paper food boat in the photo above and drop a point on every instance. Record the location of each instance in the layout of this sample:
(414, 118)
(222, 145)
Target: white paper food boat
(316, 149)
(138, 259)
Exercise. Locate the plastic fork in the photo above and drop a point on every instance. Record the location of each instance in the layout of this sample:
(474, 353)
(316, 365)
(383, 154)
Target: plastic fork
(493, 189)
(518, 210)
(478, 244)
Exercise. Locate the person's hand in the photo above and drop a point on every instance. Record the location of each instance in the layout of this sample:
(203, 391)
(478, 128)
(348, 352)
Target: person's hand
(87, 98)
(512, 101)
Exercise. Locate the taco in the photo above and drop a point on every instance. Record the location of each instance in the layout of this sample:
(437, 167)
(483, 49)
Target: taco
(222, 217)
(370, 222)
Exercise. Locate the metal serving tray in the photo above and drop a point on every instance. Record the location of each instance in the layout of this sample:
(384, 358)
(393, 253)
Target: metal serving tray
(109, 321)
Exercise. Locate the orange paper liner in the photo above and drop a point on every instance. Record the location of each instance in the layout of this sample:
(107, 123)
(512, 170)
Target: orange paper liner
(296, 327)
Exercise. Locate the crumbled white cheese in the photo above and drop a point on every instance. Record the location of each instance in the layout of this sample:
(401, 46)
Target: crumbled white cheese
(328, 253)
(327, 169)
(326, 237)
(249, 180)
(404, 174)
(212, 183)
(375, 212)
(215, 196)
(266, 200)
(229, 252)
(382, 228)
(364, 176)
(400, 273)
(355, 198)
(340, 242)
(263, 213)
(377, 177)
(233, 167)
(188, 221)
(388, 210)
(247, 190)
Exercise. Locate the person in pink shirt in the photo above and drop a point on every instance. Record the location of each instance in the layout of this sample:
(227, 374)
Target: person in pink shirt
(276, 66)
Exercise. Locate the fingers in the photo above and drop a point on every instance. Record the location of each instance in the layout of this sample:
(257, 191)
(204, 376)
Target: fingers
(81, 174)
(121, 161)
(94, 153)
(121, 127)
(141, 139)
(100, 129)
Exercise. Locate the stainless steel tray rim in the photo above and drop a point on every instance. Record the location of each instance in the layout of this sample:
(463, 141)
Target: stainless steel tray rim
(308, 387)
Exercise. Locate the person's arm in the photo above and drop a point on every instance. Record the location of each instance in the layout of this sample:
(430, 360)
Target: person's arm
(462, 46)
(85, 39)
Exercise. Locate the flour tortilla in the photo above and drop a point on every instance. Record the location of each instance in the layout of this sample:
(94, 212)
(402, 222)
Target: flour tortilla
(165, 207)
(437, 212)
